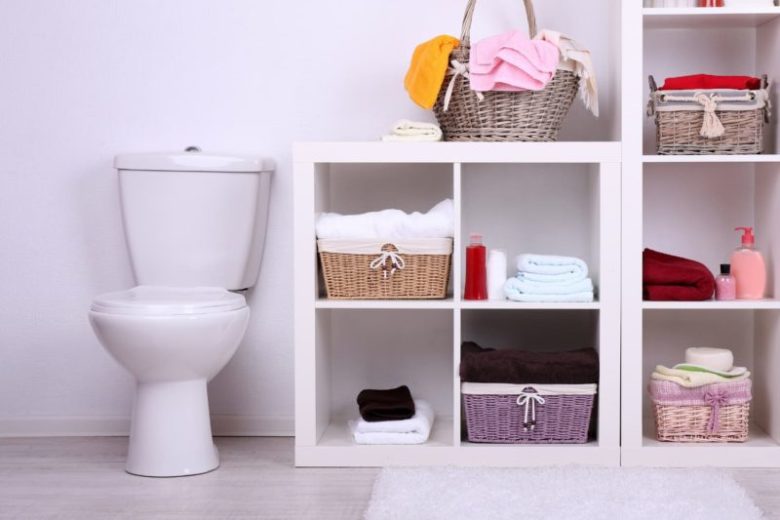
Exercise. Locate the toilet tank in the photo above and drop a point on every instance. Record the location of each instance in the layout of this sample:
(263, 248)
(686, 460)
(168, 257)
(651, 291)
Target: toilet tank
(194, 219)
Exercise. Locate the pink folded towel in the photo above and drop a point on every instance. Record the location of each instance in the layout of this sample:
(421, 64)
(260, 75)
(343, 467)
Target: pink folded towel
(512, 62)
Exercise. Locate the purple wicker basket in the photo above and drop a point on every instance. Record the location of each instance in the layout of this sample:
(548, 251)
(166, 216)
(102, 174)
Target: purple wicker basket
(520, 418)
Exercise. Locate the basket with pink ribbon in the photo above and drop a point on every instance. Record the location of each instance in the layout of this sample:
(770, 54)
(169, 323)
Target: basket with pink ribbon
(705, 399)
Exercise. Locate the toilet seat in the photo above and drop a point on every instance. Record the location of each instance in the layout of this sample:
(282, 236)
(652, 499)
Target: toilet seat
(146, 300)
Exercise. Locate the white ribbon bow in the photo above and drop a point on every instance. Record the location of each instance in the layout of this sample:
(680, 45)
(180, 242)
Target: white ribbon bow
(396, 261)
(457, 69)
(529, 399)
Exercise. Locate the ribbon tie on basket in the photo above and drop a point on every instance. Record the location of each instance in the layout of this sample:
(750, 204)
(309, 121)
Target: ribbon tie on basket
(396, 262)
(529, 398)
(457, 69)
(715, 399)
(711, 127)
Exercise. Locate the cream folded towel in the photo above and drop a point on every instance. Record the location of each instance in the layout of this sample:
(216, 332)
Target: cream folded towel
(690, 379)
(406, 131)
(408, 431)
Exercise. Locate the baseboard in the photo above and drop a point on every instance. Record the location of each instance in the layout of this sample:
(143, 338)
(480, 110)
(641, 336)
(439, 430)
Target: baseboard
(75, 426)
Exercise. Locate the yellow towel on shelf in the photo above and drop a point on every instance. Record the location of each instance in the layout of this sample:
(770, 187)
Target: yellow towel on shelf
(429, 65)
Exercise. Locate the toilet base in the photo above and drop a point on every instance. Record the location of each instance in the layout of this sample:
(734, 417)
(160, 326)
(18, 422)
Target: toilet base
(170, 433)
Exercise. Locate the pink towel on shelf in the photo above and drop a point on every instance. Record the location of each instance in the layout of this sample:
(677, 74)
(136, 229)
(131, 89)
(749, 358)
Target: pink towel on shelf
(512, 62)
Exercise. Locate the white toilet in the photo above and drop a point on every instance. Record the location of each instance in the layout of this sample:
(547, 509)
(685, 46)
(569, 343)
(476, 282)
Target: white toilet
(195, 226)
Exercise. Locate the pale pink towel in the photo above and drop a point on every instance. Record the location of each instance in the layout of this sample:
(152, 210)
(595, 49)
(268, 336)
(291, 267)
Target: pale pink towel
(512, 62)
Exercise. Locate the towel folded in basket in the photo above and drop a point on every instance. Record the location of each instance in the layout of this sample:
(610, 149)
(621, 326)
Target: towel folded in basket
(414, 430)
(389, 224)
(709, 82)
(386, 405)
(512, 62)
(479, 365)
(668, 277)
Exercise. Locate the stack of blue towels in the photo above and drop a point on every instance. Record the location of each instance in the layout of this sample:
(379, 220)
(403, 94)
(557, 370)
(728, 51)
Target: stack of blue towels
(549, 278)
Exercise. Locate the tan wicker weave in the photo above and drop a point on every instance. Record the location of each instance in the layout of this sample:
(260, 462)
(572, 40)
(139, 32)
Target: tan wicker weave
(350, 277)
(689, 423)
(678, 133)
(503, 116)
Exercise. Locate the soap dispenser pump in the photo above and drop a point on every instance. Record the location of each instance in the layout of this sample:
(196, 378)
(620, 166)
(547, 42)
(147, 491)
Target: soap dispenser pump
(748, 267)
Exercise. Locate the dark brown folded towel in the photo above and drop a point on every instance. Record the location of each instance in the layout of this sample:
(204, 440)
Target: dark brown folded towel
(574, 367)
(394, 404)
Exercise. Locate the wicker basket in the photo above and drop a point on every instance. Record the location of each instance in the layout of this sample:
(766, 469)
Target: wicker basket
(502, 116)
(679, 132)
(712, 413)
(372, 270)
(527, 414)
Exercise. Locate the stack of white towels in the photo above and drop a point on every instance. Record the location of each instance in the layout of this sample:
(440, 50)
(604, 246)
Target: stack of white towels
(549, 278)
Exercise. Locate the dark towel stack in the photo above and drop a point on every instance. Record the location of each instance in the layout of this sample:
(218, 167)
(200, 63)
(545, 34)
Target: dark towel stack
(395, 404)
(574, 367)
(668, 277)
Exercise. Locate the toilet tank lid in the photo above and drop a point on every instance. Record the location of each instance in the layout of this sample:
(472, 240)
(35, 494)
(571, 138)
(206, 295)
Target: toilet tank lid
(192, 161)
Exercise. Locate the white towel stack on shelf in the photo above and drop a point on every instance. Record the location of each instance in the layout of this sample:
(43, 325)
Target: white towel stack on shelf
(408, 431)
(548, 278)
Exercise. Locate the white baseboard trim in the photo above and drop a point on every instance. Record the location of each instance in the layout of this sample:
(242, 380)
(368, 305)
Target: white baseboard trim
(101, 426)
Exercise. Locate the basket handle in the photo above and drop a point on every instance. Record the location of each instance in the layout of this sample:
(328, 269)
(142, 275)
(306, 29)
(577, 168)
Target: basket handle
(465, 34)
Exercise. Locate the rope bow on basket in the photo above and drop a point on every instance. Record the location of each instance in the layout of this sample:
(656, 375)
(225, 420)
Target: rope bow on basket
(715, 399)
(389, 261)
(529, 398)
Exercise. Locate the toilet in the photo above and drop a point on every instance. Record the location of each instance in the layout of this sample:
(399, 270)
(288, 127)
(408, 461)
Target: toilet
(195, 225)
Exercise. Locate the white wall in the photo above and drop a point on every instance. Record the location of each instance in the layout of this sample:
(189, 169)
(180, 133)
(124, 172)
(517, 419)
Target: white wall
(85, 79)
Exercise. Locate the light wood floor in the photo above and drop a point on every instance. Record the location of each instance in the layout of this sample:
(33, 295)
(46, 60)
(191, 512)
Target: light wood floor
(83, 478)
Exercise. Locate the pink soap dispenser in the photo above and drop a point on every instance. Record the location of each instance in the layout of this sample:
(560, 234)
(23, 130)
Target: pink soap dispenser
(748, 267)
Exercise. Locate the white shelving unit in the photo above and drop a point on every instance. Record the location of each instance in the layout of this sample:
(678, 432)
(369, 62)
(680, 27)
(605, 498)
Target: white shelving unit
(553, 197)
(689, 205)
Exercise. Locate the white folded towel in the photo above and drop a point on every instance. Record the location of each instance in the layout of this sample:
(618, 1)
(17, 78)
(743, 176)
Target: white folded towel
(582, 297)
(523, 286)
(389, 224)
(552, 265)
(408, 431)
(405, 130)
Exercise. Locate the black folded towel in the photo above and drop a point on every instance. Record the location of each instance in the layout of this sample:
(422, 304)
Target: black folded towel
(394, 404)
(574, 367)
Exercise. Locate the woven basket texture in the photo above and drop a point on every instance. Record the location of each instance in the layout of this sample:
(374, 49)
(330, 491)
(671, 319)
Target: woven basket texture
(350, 277)
(562, 419)
(503, 116)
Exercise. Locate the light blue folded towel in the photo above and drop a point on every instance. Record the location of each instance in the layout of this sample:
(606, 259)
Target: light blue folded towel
(583, 297)
(525, 286)
(563, 267)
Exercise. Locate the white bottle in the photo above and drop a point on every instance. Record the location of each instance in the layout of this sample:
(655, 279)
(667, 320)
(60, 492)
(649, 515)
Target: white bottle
(496, 274)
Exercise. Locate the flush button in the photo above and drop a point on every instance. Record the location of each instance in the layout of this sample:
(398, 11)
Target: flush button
(192, 149)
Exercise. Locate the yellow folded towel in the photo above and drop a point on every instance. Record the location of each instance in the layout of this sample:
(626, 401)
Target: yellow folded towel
(429, 66)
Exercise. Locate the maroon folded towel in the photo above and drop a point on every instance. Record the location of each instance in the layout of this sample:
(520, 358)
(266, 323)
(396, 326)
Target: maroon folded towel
(668, 277)
(394, 404)
(574, 367)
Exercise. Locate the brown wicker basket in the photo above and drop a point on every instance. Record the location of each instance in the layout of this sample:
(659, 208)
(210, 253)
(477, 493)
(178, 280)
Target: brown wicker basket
(371, 270)
(503, 116)
(679, 132)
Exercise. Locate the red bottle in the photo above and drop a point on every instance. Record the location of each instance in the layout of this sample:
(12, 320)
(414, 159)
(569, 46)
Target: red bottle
(476, 269)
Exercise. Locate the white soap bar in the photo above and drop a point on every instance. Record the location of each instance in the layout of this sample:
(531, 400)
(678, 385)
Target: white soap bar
(720, 359)
(496, 274)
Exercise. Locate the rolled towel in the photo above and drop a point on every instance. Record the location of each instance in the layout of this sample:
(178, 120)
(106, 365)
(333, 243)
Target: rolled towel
(524, 286)
(553, 265)
(405, 130)
(415, 430)
(573, 367)
(389, 224)
(386, 405)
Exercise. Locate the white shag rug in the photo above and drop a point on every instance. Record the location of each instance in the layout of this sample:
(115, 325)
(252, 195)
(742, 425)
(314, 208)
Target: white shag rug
(560, 493)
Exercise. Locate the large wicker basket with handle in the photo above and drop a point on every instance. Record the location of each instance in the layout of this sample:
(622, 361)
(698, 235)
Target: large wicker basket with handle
(501, 116)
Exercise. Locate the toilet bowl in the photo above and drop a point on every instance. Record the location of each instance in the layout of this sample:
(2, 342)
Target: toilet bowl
(195, 225)
(173, 341)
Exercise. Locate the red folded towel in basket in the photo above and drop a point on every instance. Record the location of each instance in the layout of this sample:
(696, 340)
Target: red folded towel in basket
(668, 277)
(707, 81)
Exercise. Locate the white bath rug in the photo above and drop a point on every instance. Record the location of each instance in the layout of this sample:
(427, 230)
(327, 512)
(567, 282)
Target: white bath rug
(564, 493)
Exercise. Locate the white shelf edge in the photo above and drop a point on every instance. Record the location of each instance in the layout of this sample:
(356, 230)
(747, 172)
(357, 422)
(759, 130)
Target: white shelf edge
(459, 152)
(768, 158)
(707, 11)
(714, 305)
(449, 303)
(707, 18)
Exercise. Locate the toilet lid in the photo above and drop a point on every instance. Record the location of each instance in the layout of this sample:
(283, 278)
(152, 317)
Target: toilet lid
(168, 301)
